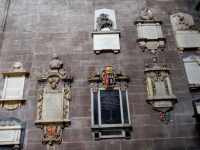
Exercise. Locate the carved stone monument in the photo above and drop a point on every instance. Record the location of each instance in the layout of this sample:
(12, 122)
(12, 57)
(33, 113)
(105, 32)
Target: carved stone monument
(191, 63)
(12, 131)
(13, 87)
(159, 89)
(53, 103)
(149, 32)
(105, 36)
(186, 34)
(109, 104)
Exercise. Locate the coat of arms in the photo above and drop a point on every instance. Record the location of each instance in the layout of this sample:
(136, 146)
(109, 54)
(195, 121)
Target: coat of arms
(109, 76)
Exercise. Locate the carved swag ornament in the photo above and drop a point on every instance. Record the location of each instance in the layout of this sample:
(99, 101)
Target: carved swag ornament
(51, 118)
(159, 89)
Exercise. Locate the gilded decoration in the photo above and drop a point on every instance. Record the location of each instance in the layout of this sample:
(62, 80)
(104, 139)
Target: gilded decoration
(109, 77)
(53, 98)
(109, 104)
(159, 89)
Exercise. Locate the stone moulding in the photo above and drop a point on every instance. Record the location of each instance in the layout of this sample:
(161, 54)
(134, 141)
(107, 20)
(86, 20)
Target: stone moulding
(12, 131)
(53, 98)
(159, 89)
(105, 36)
(109, 104)
(149, 32)
(13, 87)
(186, 35)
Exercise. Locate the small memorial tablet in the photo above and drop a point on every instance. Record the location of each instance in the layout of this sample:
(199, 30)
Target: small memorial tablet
(105, 36)
(110, 108)
(12, 131)
(186, 35)
(191, 64)
(13, 86)
(196, 108)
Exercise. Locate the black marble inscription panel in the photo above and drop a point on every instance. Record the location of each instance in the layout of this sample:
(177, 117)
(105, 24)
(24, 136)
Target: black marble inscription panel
(110, 107)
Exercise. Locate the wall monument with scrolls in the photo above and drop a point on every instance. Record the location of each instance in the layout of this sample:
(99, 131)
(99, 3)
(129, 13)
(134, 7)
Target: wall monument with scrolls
(53, 103)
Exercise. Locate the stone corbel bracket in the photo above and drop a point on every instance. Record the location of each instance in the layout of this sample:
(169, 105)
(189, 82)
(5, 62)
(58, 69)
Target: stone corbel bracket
(54, 95)
(159, 89)
(149, 32)
(13, 87)
(105, 36)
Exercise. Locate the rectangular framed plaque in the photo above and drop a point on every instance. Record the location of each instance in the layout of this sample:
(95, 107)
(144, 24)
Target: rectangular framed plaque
(191, 65)
(110, 117)
(110, 107)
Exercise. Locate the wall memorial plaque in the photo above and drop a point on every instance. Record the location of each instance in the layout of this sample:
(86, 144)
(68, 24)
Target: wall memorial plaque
(12, 131)
(110, 108)
(186, 34)
(159, 89)
(196, 108)
(53, 103)
(149, 32)
(13, 87)
(105, 36)
(191, 64)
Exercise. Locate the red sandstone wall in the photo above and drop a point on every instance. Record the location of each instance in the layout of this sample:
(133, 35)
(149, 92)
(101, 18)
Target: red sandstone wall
(36, 29)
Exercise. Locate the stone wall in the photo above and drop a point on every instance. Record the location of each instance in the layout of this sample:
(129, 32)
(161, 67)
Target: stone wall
(35, 29)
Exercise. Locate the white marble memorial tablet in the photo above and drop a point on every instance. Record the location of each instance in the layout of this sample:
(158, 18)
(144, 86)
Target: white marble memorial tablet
(14, 87)
(188, 40)
(52, 106)
(193, 72)
(150, 32)
(10, 135)
(106, 42)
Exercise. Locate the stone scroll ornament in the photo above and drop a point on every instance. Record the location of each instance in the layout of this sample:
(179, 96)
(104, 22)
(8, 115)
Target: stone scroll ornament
(105, 36)
(53, 99)
(149, 32)
(159, 89)
(13, 90)
(109, 104)
(186, 35)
